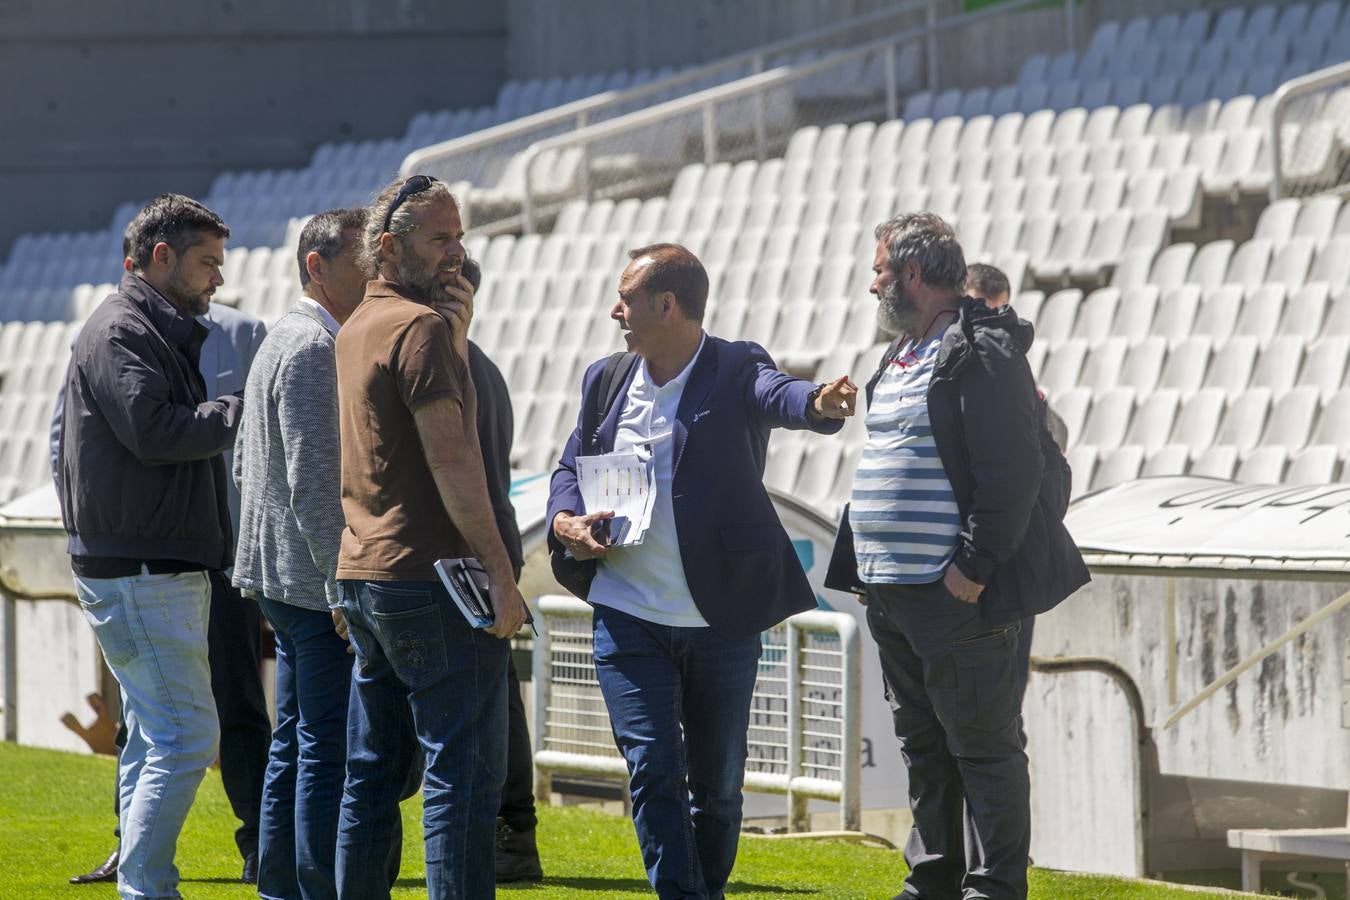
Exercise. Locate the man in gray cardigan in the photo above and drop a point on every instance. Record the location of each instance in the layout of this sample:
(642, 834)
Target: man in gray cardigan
(286, 464)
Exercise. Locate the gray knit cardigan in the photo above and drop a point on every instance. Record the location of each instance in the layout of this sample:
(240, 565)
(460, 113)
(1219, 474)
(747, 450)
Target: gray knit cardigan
(288, 467)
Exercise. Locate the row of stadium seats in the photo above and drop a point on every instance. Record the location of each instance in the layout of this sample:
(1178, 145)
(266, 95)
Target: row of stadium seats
(1263, 35)
(1245, 339)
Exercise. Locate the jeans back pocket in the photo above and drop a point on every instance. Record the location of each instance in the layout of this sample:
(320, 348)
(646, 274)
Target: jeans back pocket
(107, 615)
(408, 625)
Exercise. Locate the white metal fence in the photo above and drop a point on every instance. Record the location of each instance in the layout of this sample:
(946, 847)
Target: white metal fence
(805, 721)
(1309, 135)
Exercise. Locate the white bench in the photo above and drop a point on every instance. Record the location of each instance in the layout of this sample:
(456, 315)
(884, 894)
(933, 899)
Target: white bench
(1259, 844)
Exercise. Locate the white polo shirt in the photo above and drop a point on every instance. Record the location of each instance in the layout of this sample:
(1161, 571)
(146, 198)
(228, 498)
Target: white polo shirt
(647, 581)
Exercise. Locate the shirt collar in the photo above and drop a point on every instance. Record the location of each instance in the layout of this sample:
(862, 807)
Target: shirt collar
(380, 287)
(643, 376)
(324, 315)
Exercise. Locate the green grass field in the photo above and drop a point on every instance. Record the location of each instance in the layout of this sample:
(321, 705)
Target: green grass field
(55, 820)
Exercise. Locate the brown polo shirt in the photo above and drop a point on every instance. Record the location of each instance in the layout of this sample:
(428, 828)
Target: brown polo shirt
(393, 355)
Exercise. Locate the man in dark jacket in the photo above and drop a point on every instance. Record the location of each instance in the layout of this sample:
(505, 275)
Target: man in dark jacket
(517, 854)
(678, 617)
(954, 535)
(143, 497)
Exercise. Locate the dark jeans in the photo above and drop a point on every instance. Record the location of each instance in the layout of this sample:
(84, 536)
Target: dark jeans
(679, 704)
(233, 636)
(417, 657)
(517, 808)
(956, 698)
(1024, 652)
(303, 792)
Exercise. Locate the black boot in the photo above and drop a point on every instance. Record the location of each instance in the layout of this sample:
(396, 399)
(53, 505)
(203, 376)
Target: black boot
(108, 870)
(517, 855)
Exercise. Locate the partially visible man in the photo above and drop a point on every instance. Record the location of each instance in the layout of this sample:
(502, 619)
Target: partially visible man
(952, 536)
(517, 853)
(990, 284)
(414, 492)
(234, 635)
(143, 498)
(678, 618)
(287, 467)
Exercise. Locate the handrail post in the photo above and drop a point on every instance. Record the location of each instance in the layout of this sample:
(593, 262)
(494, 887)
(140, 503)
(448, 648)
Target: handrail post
(585, 163)
(929, 20)
(797, 818)
(527, 224)
(10, 698)
(1276, 147)
(762, 125)
(850, 775)
(709, 135)
(542, 664)
(892, 84)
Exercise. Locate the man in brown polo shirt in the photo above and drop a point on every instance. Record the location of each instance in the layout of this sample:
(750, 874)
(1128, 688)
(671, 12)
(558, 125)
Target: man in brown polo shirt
(413, 492)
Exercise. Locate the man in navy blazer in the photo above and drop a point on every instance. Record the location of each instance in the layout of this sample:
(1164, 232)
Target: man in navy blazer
(677, 618)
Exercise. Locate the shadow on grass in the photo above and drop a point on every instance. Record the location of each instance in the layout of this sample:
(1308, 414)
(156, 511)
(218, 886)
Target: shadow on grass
(640, 885)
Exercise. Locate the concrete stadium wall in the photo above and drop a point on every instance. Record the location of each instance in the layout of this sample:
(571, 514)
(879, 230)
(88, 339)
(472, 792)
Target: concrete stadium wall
(106, 102)
(1270, 750)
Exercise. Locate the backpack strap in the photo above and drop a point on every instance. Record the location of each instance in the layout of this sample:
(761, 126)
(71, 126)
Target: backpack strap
(608, 385)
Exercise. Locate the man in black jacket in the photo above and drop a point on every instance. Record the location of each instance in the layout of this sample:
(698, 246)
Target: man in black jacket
(517, 855)
(142, 488)
(954, 535)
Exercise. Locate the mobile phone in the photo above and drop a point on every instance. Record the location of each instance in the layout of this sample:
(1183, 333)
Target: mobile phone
(472, 272)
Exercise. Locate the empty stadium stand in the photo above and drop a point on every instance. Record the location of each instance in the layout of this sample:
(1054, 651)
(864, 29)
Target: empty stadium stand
(1171, 337)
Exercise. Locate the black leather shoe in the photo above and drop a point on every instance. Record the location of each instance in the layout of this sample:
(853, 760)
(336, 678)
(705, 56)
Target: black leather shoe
(105, 872)
(250, 875)
(517, 857)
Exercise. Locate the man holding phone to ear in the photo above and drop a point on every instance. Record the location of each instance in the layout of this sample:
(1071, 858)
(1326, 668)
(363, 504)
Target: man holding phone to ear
(414, 492)
(517, 855)
(678, 618)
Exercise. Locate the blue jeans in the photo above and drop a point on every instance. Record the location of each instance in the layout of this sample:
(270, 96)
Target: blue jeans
(152, 630)
(302, 795)
(679, 704)
(416, 658)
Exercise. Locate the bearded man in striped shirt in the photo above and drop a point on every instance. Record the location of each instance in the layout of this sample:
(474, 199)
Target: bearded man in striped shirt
(954, 537)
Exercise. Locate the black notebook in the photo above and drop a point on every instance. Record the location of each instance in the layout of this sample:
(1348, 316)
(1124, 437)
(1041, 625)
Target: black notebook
(467, 583)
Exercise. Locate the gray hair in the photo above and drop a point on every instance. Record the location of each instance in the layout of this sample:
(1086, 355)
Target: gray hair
(403, 222)
(924, 238)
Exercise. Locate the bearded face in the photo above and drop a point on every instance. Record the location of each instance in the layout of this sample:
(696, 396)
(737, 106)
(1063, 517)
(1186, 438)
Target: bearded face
(896, 312)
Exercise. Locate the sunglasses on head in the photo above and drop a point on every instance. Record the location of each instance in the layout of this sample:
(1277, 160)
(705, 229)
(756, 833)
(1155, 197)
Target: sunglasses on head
(413, 186)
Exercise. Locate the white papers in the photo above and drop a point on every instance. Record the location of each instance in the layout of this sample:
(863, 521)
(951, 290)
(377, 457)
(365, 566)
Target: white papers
(625, 483)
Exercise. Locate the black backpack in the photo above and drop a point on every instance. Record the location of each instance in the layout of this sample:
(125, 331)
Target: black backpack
(575, 575)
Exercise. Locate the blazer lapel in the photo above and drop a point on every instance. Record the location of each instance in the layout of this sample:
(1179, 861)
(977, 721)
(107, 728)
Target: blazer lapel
(696, 391)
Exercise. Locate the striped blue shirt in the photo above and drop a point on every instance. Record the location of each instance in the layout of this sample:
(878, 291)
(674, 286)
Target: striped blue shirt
(903, 513)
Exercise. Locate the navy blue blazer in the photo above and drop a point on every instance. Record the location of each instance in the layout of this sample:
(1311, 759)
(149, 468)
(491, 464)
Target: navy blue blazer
(738, 560)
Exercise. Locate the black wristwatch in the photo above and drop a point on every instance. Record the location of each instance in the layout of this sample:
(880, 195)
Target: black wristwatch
(811, 397)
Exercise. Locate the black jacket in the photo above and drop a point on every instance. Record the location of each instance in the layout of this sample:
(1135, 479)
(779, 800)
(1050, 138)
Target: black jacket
(496, 428)
(1011, 482)
(141, 476)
